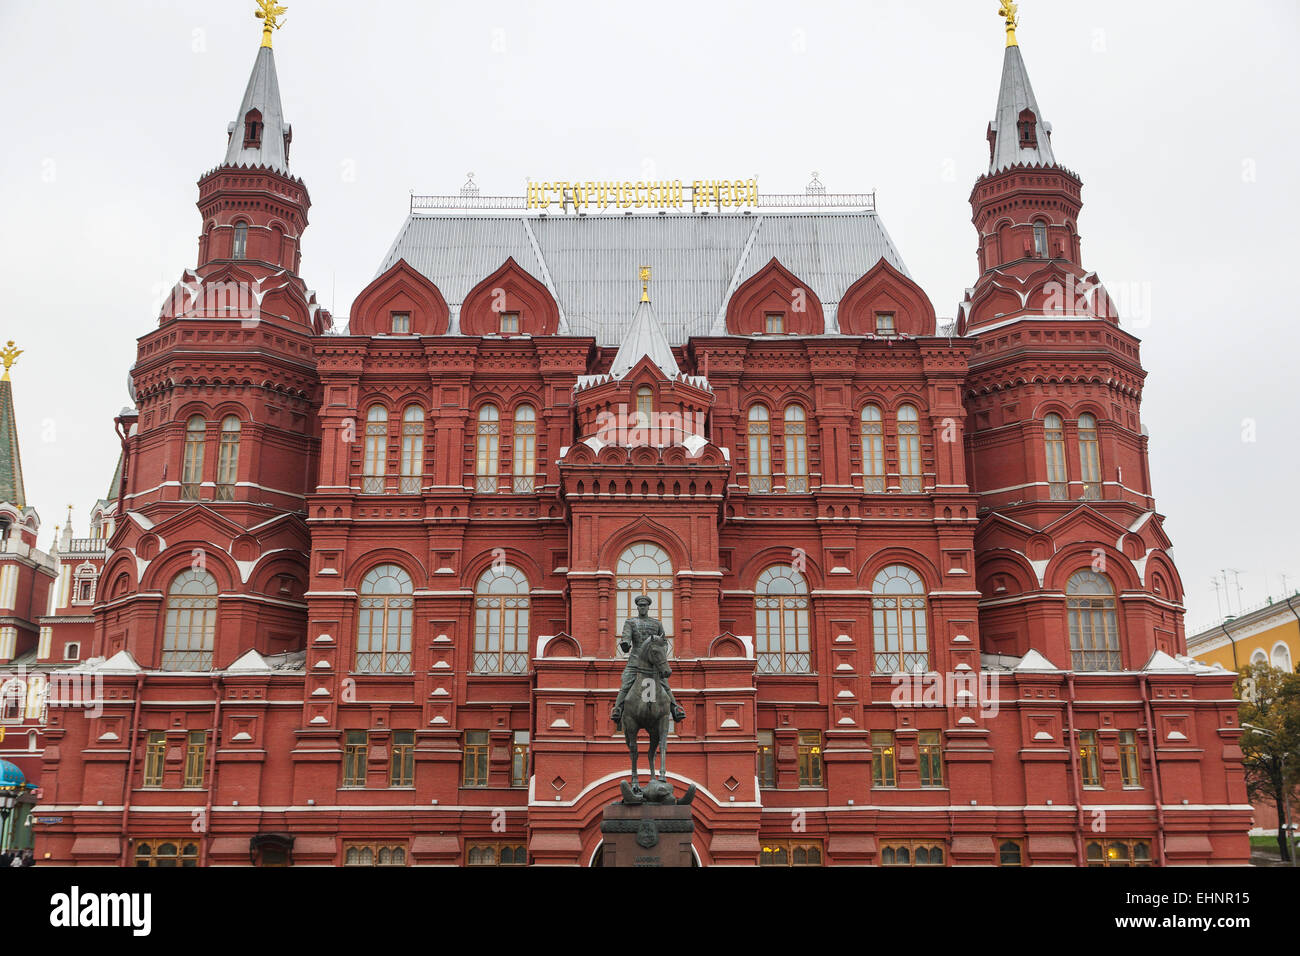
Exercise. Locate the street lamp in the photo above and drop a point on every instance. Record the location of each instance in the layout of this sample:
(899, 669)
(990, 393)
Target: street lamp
(8, 799)
(1286, 797)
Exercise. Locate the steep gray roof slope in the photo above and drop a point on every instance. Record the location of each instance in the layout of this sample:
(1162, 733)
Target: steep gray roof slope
(1014, 96)
(262, 94)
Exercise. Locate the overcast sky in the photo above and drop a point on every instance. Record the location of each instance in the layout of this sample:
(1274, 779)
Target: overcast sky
(1181, 119)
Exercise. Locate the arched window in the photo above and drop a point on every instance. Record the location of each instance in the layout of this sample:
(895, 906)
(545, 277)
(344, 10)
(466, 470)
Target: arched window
(239, 244)
(1040, 240)
(412, 450)
(873, 450)
(909, 450)
(489, 440)
(375, 462)
(525, 453)
(898, 621)
(1282, 657)
(1089, 457)
(190, 622)
(501, 621)
(1054, 441)
(384, 622)
(645, 568)
(760, 450)
(228, 459)
(781, 621)
(796, 450)
(1094, 633)
(196, 431)
(645, 406)
(253, 128)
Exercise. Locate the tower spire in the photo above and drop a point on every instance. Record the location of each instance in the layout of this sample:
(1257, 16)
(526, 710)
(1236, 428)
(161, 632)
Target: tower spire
(645, 336)
(11, 465)
(1008, 12)
(259, 136)
(1018, 133)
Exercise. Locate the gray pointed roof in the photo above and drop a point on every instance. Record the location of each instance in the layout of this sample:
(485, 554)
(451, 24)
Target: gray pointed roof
(263, 95)
(11, 464)
(644, 337)
(1015, 96)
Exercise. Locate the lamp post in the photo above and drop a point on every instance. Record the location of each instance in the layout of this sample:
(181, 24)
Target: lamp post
(8, 799)
(1286, 797)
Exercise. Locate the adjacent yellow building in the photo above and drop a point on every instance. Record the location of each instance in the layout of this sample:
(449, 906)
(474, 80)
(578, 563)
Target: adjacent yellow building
(1270, 634)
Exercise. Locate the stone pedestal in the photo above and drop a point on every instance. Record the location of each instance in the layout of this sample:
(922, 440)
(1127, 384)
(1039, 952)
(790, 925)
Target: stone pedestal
(649, 834)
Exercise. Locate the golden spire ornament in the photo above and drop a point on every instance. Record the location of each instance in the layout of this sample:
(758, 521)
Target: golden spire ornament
(1008, 11)
(269, 13)
(645, 283)
(10, 355)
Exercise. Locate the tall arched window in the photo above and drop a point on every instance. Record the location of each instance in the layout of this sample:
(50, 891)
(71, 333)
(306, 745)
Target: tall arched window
(898, 621)
(1089, 457)
(1040, 239)
(375, 463)
(488, 446)
(781, 621)
(239, 244)
(1282, 657)
(501, 621)
(873, 449)
(760, 450)
(196, 431)
(796, 450)
(645, 568)
(228, 459)
(525, 452)
(645, 406)
(1258, 658)
(909, 450)
(1054, 441)
(412, 450)
(1094, 634)
(190, 622)
(384, 622)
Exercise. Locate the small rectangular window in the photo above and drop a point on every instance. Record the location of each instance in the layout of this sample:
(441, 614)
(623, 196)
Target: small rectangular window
(930, 751)
(810, 758)
(519, 759)
(509, 323)
(1089, 766)
(882, 759)
(1010, 853)
(790, 853)
(496, 854)
(885, 323)
(401, 766)
(476, 759)
(356, 749)
(72, 651)
(775, 323)
(1129, 767)
(401, 323)
(766, 760)
(196, 755)
(154, 754)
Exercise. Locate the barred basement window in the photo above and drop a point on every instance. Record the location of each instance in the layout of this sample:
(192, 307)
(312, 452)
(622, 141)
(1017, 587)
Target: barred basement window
(1094, 632)
(898, 621)
(501, 608)
(191, 622)
(375, 463)
(1119, 853)
(873, 450)
(1089, 765)
(525, 454)
(796, 451)
(487, 450)
(374, 854)
(166, 852)
(196, 430)
(909, 450)
(781, 621)
(810, 758)
(356, 748)
(930, 750)
(196, 755)
(1129, 768)
(1010, 853)
(476, 759)
(228, 459)
(883, 772)
(384, 621)
(1089, 457)
(519, 759)
(911, 853)
(791, 853)
(766, 769)
(760, 451)
(496, 854)
(412, 450)
(155, 753)
(401, 764)
(1054, 441)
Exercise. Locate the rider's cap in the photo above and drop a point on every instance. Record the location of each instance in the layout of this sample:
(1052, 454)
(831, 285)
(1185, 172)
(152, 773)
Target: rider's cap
(642, 599)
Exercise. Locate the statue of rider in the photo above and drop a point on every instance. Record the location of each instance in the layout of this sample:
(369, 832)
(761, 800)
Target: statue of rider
(636, 631)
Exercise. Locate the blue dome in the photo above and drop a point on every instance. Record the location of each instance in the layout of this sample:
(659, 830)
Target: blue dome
(10, 775)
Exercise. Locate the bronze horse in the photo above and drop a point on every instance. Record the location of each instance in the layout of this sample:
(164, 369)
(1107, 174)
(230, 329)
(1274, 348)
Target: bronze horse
(647, 707)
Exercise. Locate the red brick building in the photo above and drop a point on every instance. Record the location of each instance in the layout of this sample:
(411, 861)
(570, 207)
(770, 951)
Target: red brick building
(363, 589)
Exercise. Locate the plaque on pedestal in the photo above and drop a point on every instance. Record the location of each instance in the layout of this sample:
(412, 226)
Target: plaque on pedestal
(647, 834)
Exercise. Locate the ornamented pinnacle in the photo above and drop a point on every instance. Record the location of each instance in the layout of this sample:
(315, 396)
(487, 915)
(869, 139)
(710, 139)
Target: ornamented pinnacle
(1008, 11)
(10, 355)
(645, 285)
(269, 13)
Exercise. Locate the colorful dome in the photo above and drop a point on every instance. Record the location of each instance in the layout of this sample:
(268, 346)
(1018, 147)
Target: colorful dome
(11, 776)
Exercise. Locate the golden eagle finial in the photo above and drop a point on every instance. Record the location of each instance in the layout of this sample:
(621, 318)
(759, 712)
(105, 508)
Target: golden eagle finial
(10, 355)
(645, 283)
(269, 13)
(1008, 12)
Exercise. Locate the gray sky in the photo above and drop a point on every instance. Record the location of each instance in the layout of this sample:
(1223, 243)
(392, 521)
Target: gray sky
(1180, 118)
